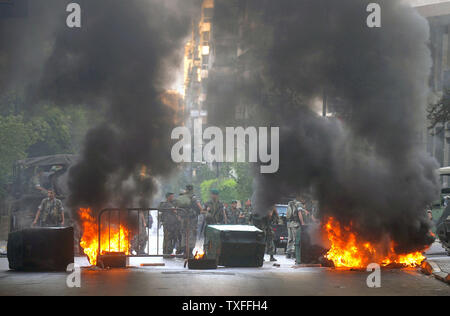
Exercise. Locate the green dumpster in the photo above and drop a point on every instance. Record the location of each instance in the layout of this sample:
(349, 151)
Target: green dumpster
(235, 245)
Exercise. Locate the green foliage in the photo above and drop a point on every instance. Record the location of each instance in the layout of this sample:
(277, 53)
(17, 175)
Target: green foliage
(206, 186)
(38, 130)
(52, 131)
(227, 188)
(234, 180)
(244, 180)
(15, 138)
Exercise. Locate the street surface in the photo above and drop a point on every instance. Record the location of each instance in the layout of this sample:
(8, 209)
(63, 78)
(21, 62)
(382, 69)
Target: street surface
(173, 279)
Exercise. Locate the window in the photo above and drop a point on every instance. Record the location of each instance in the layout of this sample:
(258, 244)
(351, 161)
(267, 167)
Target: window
(205, 38)
(208, 14)
(205, 60)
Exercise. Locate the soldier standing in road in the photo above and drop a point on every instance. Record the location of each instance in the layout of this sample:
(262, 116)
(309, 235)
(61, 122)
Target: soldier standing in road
(294, 217)
(233, 214)
(145, 220)
(191, 204)
(265, 224)
(215, 212)
(306, 217)
(246, 214)
(171, 224)
(50, 212)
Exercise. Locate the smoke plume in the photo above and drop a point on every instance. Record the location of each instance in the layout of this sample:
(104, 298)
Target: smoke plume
(122, 59)
(365, 166)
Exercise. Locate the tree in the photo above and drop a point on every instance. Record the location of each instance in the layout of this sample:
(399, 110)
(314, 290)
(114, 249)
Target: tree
(15, 138)
(439, 112)
(244, 180)
(31, 130)
(227, 188)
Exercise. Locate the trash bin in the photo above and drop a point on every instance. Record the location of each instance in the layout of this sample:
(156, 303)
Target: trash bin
(36, 249)
(235, 245)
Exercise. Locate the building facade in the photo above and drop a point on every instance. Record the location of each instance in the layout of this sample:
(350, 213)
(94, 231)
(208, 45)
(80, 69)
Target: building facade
(220, 59)
(437, 12)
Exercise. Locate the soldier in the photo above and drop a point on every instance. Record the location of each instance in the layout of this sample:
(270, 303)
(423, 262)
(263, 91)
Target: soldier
(140, 239)
(294, 217)
(144, 183)
(265, 224)
(189, 201)
(234, 214)
(307, 217)
(246, 214)
(171, 224)
(215, 212)
(52, 212)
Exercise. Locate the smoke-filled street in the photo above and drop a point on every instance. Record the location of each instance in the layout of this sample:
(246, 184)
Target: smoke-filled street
(225, 147)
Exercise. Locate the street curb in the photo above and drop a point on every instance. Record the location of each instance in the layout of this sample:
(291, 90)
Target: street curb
(432, 268)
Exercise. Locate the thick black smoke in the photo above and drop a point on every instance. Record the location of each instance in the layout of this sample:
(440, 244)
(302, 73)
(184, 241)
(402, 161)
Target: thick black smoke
(367, 168)
(122, 59)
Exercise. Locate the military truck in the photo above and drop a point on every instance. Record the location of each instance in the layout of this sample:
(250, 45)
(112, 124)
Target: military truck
(440, 204)
(31, 178)
(441, 210)
(443, 230)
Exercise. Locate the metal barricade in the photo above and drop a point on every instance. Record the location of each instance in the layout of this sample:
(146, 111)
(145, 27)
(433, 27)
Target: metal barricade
(121, 218)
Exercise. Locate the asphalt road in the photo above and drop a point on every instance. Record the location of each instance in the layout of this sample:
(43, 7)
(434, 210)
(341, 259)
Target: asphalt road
(173, 279)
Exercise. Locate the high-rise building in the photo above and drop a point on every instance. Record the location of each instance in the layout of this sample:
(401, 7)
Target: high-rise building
(221, 59)
(437, 12)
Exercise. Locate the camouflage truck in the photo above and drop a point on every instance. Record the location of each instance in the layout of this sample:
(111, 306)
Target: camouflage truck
(441, 210)
(440, 204)
(443, 229)
(48, 172)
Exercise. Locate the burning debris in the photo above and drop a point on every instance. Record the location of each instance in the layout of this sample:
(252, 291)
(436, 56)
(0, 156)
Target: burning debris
(199, 262)
(114, 239)
(363, 163)
(349, 251)
(198, 253)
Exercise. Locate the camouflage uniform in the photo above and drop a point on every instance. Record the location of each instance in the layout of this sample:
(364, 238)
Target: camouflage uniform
(265, 224)
(215, 214)
(138, 231)
(293, 225)
(233, 216)
(51, 211)
(145, 220)
(171, 225)
(189, 223)
(307, 219)
(247, 214)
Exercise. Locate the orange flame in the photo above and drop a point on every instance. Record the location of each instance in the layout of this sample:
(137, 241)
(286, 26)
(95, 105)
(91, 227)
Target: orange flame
(115, 240)
(198, 253)
(348, 251)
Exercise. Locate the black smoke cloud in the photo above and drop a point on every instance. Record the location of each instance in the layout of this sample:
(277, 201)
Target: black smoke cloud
(367, 168)
(122, 59)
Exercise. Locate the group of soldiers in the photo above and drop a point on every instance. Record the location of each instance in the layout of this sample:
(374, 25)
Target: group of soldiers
(185, 217)
(191, 223)
(299, 214)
